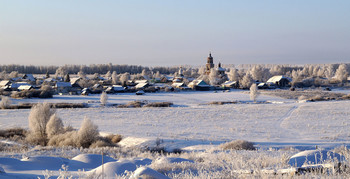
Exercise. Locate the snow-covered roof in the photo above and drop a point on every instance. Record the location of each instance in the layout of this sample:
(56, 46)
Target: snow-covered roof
(277, 78)
(170, 78)
(118, 88)
(221, 69)
(18, 84)
(228, 83)
(29, 77)
(96, 86)
(5, 82)
(140, 81)
(63, 84)
(74, 80)
(50, 79)
(198, 83)
(176, 80)
(25, 87)
(141, 85)
(261, 84)
(177, 85)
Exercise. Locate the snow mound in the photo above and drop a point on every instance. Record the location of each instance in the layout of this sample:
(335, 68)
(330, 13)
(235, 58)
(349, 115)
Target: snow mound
(172, 160)
(44, 162)
(145, 171)
(88, 161)
(315, 158)
(111, 169)
(2, 170)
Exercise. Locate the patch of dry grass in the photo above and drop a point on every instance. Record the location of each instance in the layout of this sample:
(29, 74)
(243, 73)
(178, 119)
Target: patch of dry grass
(237, 145)
(311, 95)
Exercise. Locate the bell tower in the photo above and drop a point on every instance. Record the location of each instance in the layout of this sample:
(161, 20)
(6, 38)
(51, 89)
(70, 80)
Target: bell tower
(210, 64)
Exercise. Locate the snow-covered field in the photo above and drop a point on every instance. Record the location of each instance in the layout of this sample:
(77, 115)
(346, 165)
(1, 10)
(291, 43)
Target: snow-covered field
(192, 125)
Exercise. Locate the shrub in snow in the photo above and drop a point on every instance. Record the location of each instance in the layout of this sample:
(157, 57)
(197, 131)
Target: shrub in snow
(65, 139)
(54, 126)
(103, 98)
(101, 143)
(254, 92)
(38, 118)
(87, 133)
(5, 102)
(114, 138)
(238, 145)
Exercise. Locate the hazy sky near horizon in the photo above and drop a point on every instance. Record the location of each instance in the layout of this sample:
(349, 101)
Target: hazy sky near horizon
(174, 32)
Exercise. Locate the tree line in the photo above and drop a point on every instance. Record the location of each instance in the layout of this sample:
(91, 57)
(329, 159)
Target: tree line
(88, 69)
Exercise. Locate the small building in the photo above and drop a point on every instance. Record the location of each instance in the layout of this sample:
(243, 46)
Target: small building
(141, 85)
(15, 86)
(181, 86)
(86, 91)
(115, 89)
(230, 84)
(199, 85)
(29, 77)
(63, 87)
(263, 86)
(279, 81)
(166, 79)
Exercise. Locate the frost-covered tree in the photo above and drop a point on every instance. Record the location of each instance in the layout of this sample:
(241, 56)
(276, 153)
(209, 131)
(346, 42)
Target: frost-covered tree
(5, 102)
(4, 75)
(96, 76)
(341, 74)
(103, 98)
(60, 72)
(38, 118)
(87, 133)
(257, 72)
(201, 71)
(108, 75)
(254, 92)
(296, 77)
(233, 75)
(276, 70)
(114, 78)
(157, 75)
(13, 74)
(214, 77)
(125, 78)
(330, 70)
(246, 81)
(54, 126)
(81, 74)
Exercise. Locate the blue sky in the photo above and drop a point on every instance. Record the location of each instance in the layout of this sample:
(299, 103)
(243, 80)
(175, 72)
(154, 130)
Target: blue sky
(174, 32)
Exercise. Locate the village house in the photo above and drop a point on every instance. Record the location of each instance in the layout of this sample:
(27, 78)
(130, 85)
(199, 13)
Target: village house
(279, 81)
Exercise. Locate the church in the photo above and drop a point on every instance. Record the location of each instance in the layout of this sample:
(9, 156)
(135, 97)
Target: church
(210, 65)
